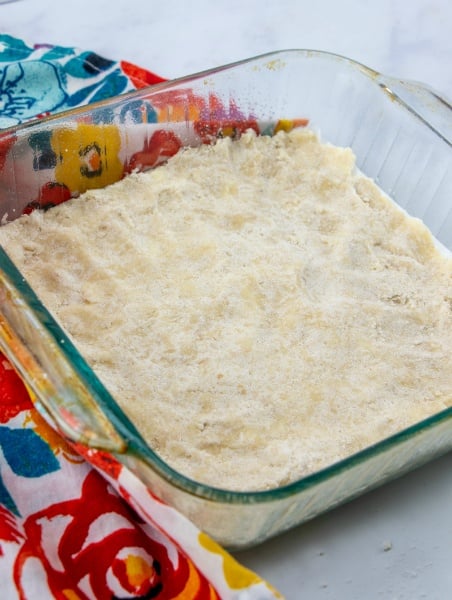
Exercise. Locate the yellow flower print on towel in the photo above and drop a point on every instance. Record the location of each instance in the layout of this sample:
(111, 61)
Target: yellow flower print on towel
(87, 158)
(236, 575)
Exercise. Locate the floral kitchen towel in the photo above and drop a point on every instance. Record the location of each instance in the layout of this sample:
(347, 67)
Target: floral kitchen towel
(42, 79)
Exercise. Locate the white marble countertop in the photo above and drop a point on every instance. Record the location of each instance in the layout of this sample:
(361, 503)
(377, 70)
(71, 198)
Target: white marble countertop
(404, 39)
(396, 542)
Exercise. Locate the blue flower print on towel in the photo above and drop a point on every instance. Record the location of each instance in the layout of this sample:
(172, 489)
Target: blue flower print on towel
(12, 49)
(27, 455)
(41, 79)
(28, 89)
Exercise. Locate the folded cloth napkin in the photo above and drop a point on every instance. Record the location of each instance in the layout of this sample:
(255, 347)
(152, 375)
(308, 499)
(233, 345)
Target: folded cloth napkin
(74, 523)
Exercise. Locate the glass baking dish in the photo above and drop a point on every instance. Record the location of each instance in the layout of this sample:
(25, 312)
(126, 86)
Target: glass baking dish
(401, 134)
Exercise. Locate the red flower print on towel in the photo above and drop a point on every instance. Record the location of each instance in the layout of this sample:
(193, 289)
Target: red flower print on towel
(14, 397)
(103, 551)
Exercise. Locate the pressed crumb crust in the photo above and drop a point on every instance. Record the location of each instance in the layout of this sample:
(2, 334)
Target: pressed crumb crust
(258, 308)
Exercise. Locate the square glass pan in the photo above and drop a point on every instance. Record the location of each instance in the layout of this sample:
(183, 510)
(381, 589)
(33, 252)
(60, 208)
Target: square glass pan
(401, 134)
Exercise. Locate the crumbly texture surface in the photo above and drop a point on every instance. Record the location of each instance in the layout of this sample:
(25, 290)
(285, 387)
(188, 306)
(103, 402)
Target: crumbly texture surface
(258, 307)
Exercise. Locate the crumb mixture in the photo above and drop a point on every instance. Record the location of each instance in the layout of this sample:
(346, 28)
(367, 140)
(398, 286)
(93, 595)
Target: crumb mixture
(258, 308)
